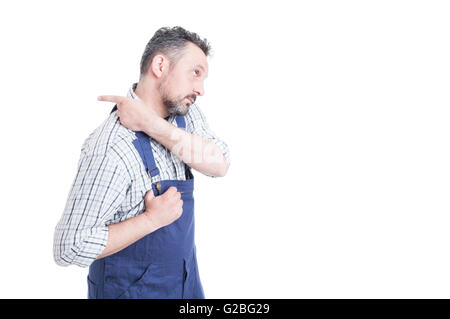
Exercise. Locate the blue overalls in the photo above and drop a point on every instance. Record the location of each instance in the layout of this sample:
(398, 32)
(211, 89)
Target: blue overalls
(162, 264)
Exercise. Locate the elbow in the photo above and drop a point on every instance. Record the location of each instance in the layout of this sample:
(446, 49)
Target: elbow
(223, 169)
(59, 259)
(58, 253)
(80, 250)
(63, 253)
(66, 259)
(213, 166)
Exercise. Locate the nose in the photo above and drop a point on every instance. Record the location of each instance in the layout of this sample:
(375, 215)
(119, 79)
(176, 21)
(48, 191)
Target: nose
(199, 89)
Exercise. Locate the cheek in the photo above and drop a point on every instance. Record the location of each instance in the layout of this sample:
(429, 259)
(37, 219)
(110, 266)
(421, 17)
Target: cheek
(183, 88)
(180, 85)
(184, 84)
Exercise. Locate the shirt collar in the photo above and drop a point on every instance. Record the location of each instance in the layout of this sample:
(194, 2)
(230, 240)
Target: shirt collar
(131, 92)
(133, 95)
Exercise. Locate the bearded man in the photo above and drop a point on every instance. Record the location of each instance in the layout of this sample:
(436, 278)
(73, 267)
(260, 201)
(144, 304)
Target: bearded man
(129, 216)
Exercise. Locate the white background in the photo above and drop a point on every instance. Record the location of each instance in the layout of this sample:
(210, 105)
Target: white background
(336, 114)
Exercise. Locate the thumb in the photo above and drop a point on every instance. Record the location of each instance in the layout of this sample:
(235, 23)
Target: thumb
(149, 195)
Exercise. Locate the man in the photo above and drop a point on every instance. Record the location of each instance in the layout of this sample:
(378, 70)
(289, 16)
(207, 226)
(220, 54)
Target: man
(130, 212)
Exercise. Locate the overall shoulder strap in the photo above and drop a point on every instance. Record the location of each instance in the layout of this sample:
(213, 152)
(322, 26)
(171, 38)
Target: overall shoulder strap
(181, 122)
(142, 145)
(144, 148)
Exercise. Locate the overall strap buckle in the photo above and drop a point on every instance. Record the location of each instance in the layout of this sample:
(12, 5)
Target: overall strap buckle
(156, 179)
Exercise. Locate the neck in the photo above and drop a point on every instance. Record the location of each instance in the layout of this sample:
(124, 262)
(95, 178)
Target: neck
(148, 92)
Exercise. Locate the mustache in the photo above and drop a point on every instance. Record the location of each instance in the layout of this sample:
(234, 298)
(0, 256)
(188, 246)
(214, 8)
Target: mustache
(192, 96)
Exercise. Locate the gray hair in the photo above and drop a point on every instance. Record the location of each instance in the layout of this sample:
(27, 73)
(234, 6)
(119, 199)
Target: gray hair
(171, 42)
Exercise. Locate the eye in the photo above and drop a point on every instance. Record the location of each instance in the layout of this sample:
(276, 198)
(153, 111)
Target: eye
(196, 72)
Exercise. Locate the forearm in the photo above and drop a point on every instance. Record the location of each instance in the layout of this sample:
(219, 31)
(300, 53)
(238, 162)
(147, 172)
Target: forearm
(125, 233)
(199, 153)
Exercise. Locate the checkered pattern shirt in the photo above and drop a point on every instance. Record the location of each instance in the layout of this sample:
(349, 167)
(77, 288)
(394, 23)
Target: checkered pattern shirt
(111, 182)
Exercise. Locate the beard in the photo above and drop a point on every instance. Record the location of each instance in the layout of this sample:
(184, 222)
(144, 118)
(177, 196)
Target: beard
(175, 106)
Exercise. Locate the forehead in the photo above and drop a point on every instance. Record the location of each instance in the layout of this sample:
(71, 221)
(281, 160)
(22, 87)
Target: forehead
(193, 56)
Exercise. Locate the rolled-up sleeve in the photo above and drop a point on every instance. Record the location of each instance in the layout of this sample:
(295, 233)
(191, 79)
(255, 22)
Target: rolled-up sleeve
(96, 194)
(196, 124)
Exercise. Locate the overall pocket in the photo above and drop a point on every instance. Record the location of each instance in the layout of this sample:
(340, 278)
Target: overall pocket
(159, 281)
(92, 289)
(193, 285)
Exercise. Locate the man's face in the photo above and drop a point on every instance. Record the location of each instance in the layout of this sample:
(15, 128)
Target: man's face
(184, 82)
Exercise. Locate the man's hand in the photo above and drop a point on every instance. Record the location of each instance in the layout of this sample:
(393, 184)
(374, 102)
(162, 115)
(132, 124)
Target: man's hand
(133, 113)
(198, 152)
(165, 209)
(159, 212)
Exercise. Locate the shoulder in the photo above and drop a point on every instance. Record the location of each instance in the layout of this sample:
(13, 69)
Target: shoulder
(110, 139)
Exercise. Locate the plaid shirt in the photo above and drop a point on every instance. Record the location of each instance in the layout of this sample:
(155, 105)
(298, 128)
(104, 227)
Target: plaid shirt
(111, 183)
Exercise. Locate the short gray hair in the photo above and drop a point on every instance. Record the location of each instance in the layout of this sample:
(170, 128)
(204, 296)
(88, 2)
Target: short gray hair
(171, 42)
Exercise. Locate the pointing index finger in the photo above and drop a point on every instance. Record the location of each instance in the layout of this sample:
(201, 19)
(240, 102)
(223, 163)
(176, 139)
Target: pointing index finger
(111, 98)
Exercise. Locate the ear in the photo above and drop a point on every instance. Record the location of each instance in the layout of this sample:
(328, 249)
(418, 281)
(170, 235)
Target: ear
(160, 65)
